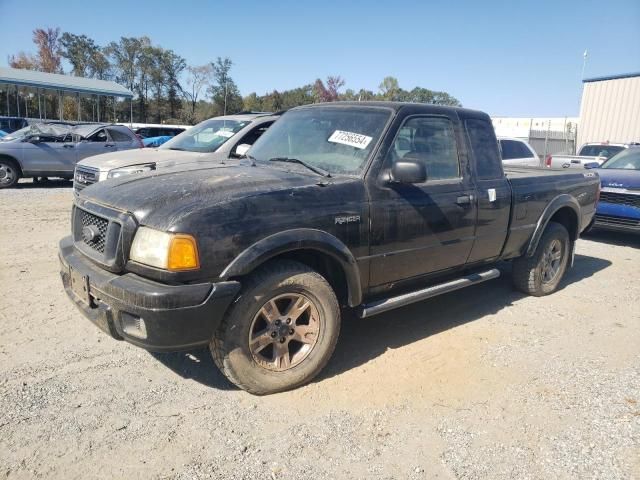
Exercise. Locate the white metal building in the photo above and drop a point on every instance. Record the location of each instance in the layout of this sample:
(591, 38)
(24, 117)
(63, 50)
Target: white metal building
(610, 109)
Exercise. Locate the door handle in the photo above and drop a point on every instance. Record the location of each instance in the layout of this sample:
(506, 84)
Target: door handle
(67, 146)
(464, 200)
(109, 145)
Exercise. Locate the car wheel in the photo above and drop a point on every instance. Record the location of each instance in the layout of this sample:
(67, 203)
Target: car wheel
(9, 173)
(280, 332)
(541, 273)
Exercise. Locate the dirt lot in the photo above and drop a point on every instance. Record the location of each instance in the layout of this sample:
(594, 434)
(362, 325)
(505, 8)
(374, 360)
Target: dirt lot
(483, 383)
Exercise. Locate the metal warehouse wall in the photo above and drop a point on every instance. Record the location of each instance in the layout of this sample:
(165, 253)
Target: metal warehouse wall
(610, 110)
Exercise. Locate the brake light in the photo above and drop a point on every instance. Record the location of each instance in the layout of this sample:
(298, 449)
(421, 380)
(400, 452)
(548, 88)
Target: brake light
(598, 192)
(547, 161)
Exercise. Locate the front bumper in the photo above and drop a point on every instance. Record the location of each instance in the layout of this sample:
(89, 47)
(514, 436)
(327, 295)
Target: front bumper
(621, 218)
(175, 317)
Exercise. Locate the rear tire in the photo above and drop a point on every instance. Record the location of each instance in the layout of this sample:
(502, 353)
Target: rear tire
(9, 173)
(541, 273)
(280, 332)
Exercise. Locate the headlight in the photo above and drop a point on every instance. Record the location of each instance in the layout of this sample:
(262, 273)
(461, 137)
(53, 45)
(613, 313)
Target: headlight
(169, 251)
(120, 172)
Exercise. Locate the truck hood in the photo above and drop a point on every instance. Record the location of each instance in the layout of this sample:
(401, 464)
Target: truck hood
(162, 157)
(612, 178)
(160, 199)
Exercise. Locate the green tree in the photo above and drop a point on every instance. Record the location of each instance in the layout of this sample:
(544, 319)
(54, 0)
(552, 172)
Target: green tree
(389, 88)
(224, 92)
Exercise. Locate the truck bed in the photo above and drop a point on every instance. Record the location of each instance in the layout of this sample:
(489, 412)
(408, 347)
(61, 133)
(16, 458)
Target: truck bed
(534, 189)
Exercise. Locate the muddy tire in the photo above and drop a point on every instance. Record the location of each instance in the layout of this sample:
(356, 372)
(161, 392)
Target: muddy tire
(9, 173)
(281, 330)
(541, 273)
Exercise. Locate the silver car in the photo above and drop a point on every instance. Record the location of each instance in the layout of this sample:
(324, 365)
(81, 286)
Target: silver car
(53, 149)
(212, 140)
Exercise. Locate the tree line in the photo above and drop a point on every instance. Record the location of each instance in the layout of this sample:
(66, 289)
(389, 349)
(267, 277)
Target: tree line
(168, 90)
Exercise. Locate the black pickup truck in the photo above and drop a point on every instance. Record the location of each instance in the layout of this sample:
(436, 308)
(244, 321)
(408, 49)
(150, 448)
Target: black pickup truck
(366, 206)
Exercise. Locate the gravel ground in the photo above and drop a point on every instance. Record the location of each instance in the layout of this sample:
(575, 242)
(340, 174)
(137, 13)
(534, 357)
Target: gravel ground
(482, 383)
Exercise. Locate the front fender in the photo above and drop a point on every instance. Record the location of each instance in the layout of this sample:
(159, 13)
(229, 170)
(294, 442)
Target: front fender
(561, 201)
(299, 239)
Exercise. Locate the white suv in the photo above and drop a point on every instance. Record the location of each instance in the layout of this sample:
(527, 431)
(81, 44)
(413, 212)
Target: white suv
(517, 152)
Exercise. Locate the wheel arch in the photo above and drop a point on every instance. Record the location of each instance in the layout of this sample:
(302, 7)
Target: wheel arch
(563, 209)
(315, 248)
(14, 160)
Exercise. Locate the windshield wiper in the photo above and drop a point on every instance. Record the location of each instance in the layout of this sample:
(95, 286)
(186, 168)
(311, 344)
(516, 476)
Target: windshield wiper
(317, 170)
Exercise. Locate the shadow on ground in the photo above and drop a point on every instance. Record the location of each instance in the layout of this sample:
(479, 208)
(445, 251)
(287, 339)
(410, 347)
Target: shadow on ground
(362, 340)
(27, 184)
(620, 239)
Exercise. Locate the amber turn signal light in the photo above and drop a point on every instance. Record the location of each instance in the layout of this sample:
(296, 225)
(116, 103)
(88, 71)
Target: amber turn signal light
(183, 253)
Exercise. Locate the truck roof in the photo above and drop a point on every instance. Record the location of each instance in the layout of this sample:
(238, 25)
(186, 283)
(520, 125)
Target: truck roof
(465, 112)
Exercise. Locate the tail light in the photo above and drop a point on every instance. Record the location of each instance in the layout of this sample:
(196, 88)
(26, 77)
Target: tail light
(547, 161)
(140, 141)
(598, 192)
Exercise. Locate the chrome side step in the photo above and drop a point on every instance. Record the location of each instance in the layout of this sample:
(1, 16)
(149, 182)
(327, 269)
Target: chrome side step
(380, 306)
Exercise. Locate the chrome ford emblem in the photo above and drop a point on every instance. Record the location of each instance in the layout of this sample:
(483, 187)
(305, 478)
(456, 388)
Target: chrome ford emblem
(90, 233)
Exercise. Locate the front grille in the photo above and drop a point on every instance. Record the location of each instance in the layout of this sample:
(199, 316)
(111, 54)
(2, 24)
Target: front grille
(620, 198)
(617, 221)
(90, 220)
(85, 176)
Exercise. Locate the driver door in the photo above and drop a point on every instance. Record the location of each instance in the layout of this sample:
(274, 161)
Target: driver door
(418, 229)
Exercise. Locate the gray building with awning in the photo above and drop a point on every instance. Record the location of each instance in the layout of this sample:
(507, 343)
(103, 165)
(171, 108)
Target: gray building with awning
(17, 82)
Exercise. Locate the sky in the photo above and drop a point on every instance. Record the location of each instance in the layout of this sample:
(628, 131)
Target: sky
(510, 58)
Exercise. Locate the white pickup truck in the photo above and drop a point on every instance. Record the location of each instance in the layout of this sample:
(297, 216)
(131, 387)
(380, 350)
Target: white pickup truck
(588, 153)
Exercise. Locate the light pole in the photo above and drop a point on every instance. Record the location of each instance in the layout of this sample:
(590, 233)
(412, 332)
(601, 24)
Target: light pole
(584, 62)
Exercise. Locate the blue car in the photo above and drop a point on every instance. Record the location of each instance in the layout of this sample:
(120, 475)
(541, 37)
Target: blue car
(156, 141)
(3, 133)
(619, 205)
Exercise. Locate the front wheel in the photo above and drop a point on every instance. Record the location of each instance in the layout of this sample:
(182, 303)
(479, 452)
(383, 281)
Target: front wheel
(280, 332)
(9, 173)
(541, 273)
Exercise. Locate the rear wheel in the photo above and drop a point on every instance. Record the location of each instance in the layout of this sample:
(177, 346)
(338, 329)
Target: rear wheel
(280, 332)
(9, 173)
(541, 273)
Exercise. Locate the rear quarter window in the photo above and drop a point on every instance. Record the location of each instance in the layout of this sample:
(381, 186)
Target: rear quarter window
(484, 148)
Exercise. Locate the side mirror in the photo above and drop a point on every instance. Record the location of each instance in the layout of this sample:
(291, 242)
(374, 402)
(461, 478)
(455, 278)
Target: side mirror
(242, 149)
(591, 165)
(408, 171)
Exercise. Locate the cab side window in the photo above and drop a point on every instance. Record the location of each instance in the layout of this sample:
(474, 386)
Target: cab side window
(430, 140)
(484, 147)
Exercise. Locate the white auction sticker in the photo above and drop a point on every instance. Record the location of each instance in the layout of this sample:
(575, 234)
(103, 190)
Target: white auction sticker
(224, 133)
(350, 138)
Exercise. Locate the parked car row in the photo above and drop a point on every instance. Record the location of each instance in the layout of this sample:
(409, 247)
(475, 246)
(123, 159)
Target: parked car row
(362, 206)
(213, 140)
(588, 153)
(54, 149)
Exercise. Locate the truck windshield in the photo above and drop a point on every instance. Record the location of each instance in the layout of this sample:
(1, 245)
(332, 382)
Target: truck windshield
(606, 151)
(207, 136)
(333, 139)
(627, 160)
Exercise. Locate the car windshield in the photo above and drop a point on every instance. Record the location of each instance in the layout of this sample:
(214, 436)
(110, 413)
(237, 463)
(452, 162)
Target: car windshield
(626, 160)
(606, 151)
(334, 139)
(206, 136)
